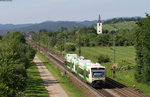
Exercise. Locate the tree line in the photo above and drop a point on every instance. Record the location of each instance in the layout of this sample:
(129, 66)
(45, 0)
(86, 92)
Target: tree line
(15, 57)
(125, 19)
(88, 37)
(142, 45)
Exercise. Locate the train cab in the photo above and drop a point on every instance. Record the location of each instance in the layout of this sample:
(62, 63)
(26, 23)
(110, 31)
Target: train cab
(98, 75)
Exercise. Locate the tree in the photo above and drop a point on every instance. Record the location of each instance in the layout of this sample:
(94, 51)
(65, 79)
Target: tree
(42, 30)
(103, 39)
(70, 47)
(142, 46)
(15, 57)
(17, 36)
(0, 37)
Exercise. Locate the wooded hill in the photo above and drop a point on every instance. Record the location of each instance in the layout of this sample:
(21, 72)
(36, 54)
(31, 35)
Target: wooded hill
(51, 25)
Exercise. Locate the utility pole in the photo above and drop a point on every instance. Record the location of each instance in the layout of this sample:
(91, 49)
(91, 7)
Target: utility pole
(47, 42)
(79, 44)
(114, 57)
(114, 50)
(65, 44)
(39, 41)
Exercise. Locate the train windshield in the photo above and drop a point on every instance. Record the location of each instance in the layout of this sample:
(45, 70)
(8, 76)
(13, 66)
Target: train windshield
(100, 72)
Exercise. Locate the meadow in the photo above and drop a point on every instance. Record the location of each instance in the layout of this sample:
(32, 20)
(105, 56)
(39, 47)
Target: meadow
(123, 25)
(123, 54)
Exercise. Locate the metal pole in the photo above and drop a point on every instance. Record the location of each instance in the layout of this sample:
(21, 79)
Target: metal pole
(65, 44)
(39, 41)
(114, 49)
(48, 42)
(36, 41)
(114, 44)
(79, 46)
(61, 46)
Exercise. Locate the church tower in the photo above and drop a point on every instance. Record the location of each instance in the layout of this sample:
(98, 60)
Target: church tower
(99, 26)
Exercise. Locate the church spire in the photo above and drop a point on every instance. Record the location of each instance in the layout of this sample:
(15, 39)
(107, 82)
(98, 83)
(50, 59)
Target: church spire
(99, 26)
(99, 19)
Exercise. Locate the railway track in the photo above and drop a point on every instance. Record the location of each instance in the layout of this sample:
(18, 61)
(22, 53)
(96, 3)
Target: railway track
(123, 90)
(112, 88)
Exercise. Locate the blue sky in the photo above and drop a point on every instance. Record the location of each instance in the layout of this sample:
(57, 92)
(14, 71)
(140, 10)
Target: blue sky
(35, 11)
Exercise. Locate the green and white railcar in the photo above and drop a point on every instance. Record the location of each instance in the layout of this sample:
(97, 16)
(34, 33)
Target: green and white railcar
(93, 73)
(70, 59)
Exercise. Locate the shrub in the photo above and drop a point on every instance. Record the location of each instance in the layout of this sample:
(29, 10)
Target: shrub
(70, 47)
(103, 59)
(124, 63)
(59, 45)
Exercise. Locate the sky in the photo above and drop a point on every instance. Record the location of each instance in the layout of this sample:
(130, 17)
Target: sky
(36, 11)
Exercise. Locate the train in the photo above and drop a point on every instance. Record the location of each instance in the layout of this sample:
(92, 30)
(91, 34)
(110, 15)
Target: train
(92, 73)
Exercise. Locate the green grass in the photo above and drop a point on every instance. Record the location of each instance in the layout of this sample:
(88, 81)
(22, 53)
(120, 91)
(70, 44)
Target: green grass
(123, 25)
(35, 86)
(122, 53)
(64, 81)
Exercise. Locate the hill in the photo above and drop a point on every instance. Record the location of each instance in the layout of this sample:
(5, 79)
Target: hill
(122, 25)
(12, 26)
(110, 24)
(49, 25)
(122, 19)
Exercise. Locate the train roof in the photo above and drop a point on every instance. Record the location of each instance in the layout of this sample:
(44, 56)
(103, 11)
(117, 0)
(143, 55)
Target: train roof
(74, 56)
(84, 62)
(71, 55)
(90, 64)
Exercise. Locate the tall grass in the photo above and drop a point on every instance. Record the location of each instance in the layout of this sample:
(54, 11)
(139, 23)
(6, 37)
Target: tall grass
(35, 86)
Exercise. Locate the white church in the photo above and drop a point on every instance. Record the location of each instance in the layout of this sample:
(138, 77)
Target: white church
(99, 26)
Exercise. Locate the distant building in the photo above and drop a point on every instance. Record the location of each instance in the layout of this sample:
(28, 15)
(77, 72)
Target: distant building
(99, 26)
(30, 37)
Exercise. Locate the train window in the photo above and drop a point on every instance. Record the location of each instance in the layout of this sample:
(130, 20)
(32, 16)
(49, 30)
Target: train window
(98, 74)
(87, 73)
(97, 68)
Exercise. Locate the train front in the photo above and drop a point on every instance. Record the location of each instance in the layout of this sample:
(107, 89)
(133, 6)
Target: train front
(98, 76)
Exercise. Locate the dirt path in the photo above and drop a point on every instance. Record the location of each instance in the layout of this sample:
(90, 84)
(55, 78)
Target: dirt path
(51, 84)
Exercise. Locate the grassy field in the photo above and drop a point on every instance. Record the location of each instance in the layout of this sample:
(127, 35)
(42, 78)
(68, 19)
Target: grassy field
(35, 87)
(64, 81)
(122, 53)
(123, 25)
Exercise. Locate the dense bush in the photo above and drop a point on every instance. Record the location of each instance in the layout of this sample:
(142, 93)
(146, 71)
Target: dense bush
(103, 59)
(124, 63)
(60, 45)
(70, 47)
